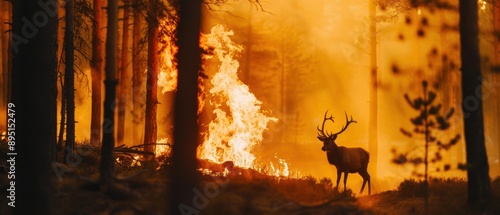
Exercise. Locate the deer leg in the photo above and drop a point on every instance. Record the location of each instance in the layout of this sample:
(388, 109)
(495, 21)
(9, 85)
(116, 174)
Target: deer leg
(369, 186)
(366, 178)
(339, 174)
(363, 186)
(345, 180)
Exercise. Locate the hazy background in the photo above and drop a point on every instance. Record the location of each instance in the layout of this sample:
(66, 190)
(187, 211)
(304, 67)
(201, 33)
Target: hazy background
(301, 58)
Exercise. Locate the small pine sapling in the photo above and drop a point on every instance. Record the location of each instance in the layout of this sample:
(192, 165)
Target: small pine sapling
(426, 124)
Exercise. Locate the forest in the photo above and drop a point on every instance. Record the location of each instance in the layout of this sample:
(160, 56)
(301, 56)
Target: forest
(250, 107)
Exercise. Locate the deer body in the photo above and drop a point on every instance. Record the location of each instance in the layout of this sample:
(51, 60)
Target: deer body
(346, 160)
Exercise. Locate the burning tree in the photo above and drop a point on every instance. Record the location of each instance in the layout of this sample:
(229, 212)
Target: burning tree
(426, 122)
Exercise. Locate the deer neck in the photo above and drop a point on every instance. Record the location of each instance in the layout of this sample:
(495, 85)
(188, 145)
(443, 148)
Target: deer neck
(334, 156)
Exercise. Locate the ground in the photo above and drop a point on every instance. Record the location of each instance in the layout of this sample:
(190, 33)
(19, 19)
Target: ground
(143, 190)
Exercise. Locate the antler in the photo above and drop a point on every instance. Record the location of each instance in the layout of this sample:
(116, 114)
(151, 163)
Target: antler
(346, 125)
(321, 132)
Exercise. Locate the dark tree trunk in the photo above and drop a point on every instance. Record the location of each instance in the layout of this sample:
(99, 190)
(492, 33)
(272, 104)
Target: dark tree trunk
(34, 96)
(477, 173)
(6, 54)
(123, 77)
(69, 80)
(108, 140)
(184, 176)
(62, 121)
(151, 82)
(96, 75)
(3, 72)
(137, 79)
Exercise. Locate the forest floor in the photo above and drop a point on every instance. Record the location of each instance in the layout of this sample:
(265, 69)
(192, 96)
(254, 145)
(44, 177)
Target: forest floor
(143, 190)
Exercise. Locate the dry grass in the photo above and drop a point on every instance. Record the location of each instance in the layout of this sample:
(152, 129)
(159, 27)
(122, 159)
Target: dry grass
(446, 196)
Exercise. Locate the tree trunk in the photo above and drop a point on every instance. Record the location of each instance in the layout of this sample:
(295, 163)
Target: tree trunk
(34, 99)
(7, 59)
(6, 53)
(248, 48)
(96, 75)
(479, 190)
(62, 121)
(373, 127)
(137, 90)
(496, 72)
(151, 83)
(184, 176)
(3, 77)
(123, 77)
(69, 80)
(108, 140)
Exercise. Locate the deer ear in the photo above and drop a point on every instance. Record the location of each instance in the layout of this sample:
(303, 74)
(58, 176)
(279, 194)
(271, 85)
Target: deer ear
(334, 137)
(321, 138)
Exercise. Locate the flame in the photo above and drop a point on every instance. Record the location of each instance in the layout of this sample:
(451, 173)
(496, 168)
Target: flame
(233, 133)
(280, 169)
(163, 149)
(136, 161)
(482, 5)
(167, 78)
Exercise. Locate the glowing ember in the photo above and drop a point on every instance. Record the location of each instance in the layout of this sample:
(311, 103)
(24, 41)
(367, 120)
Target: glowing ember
(136, 161)
(233, 133)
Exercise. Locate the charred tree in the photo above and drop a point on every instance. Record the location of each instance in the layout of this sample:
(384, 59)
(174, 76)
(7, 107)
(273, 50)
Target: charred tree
(69, 79)
(96, 74)
(150, 127)
(123, 78)
(137, 79)
(34, 48)
(185, 176)
(107, 169)
(479, 190)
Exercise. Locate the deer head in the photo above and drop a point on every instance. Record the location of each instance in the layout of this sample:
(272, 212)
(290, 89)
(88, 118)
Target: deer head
(328, 139)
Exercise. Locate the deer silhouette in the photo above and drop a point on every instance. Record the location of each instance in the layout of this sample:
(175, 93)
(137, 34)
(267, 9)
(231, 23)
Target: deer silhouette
(346, 160)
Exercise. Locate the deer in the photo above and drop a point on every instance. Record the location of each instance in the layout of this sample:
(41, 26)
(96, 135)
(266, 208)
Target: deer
(346, 160)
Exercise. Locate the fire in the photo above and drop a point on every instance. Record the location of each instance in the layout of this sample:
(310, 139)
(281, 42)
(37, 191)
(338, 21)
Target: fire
(162, 148)
(167, 78)
(482, 4)
(136, 161)
(238, 127)
(278, 169)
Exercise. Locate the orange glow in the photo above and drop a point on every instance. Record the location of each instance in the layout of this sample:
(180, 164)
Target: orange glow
(136, 161)
(162, 150)
(281, 168)
(482, 5)
(167, 78)
(237, 129)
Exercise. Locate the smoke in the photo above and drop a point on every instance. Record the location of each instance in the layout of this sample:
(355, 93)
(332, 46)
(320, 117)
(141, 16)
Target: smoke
(302, 58)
